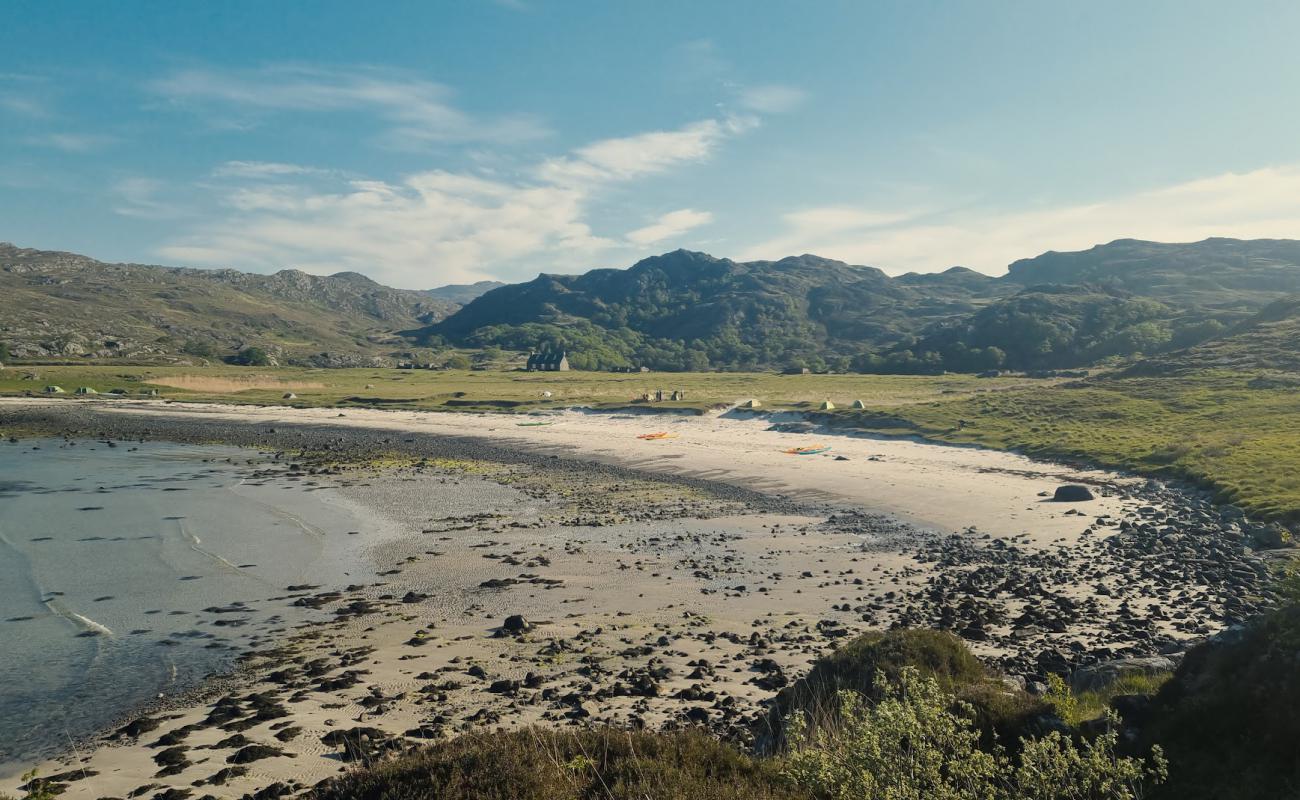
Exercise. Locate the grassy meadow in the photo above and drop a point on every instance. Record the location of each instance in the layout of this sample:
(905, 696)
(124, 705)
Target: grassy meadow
(499, 390)
(1224, 430)
(1221, 430)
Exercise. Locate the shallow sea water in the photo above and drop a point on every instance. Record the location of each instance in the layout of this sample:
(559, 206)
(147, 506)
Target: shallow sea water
(109, 557)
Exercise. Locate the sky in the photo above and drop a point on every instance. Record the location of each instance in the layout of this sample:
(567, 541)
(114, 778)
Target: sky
(426, 143)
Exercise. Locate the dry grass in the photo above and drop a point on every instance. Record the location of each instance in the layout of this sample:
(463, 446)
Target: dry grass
(233, 383)
(586, 764)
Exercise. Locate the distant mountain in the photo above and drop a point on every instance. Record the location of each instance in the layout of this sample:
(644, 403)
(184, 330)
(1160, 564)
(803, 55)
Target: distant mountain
(1215, 274)
(1114, 301)
(67, 305)
(686, 310)
(462, 293)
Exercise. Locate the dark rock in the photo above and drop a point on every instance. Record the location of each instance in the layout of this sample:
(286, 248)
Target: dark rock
(1073, 493)
(515, 623)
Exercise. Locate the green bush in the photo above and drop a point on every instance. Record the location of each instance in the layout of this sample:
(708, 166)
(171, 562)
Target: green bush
(1230, 717)
(858, 665)
(917, 743)
(251, 357)
(1078, 708)
(542, 764)
(199, 347)
(36, 788)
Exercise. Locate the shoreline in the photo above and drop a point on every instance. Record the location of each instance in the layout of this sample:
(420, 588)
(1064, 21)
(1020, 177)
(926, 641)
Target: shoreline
(800, 558)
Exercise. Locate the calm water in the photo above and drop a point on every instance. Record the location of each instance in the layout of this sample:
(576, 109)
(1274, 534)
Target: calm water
(109, 556)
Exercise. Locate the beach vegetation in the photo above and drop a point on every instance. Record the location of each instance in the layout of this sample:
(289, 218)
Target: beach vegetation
(1228, 717)
(36, 788)
(543, 764)
(1077, 708)
(917, 741)
(871, 664)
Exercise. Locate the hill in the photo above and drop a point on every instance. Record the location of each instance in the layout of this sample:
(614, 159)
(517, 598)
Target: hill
(67, 305)
(1045, 327)
(1225, 275)
(686, 310)
(1270, 340)
(683, 311)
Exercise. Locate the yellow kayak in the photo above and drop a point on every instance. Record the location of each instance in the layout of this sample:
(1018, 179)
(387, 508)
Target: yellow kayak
(656, 435)
(808, 451)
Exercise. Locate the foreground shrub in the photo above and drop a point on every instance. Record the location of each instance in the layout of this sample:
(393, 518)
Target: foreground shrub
(541, 764)
(916, 743)
(1230, 717)
(869, 664)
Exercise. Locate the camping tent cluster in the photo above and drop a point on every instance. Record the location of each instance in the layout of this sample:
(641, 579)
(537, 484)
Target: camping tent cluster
(826, 404)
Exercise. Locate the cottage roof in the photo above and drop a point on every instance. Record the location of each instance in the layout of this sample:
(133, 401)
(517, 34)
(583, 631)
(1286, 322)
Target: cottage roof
(546, 359)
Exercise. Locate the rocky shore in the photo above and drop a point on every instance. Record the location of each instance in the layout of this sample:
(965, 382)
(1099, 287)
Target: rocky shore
(607, 592)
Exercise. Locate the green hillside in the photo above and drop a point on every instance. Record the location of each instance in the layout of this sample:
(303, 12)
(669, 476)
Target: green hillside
(1270, 340)
(685, 310)
(63, 305)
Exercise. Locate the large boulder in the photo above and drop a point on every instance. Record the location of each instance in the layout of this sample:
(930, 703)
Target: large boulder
(1098, 676)
(1073, 493)
(515, 623)
(1271, 536)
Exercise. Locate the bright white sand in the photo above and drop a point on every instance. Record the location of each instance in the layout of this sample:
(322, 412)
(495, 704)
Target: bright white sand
(941, 486)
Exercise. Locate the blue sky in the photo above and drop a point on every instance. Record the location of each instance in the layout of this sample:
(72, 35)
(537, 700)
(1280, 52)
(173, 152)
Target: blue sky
(426, 143)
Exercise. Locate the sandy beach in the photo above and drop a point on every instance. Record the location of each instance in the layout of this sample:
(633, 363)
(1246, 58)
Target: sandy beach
(658, 583)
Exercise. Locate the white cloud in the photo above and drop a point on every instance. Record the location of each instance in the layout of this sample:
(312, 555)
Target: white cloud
(261, 169)
(772, 99)
(417, 111)
(71, 142)
(1263, 203)
(432, 227)
(435, 226)
(642, 154)
(674, 223)
(824, 222)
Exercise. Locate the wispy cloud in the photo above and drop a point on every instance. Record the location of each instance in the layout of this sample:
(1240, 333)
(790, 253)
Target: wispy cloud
(144, 198)
(439, 226)
(72, 142)
(772, 99)
(262, 169)
(24, 95)
(416, 111)
(642, 154)
(1259, 204)
(670, 225)
(701, 62)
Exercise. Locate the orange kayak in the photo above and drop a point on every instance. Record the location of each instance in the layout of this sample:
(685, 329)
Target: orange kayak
(657, 435)
(808, 451)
